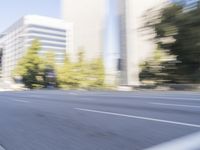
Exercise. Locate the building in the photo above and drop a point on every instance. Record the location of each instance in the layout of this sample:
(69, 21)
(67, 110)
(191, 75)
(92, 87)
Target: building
(88, 18)
(1, 52)
(111, 28)
(135, 46)
(54, 35)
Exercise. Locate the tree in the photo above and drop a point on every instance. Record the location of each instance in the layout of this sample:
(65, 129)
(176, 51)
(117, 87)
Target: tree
(66, 74)
(49, 59)
(89, 74)
(29, 67)
(96, 73)
(177, 32)
(81, 74)
(154, 69)
(81, 69)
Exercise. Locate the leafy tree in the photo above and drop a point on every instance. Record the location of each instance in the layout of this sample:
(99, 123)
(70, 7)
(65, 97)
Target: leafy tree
(177, 30)
(49, 59)
(29, 67)
(66, 75)
(40, 71)
(81, 74)
(81, 69)
(154, 69)
(89, 74)
(97, 73)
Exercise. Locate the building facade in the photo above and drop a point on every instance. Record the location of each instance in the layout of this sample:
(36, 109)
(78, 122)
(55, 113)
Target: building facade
(112, 28)
(55, 35)
(88, 18)
(1, 54)
(91, 31)
(135, 45)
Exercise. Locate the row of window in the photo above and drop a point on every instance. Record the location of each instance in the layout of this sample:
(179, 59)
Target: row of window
(47, 28)
(46, 33)
(50, 44)
(47, 39)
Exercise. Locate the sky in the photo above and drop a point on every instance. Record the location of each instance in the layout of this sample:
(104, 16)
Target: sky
(12, 10)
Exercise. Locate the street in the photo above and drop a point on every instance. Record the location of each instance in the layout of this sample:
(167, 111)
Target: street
(86, 120)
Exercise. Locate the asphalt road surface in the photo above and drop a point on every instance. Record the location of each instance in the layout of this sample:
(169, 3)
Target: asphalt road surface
(81, 120)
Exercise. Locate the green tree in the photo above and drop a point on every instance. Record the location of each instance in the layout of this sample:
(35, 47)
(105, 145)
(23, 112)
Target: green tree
(81, 68)
(177, 29)
(49, 59)
(152, 71)
(81, 74)
(29, 67)
(96, 73)
(66, 74)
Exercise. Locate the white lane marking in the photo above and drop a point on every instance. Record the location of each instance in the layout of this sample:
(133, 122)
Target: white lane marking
(191, 142)
(21, 101)
(72, 93)
(16, 100)
(140, 117)
(176, 105)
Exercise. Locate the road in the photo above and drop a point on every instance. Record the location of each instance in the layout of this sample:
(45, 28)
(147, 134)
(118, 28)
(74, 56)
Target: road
(82, 120)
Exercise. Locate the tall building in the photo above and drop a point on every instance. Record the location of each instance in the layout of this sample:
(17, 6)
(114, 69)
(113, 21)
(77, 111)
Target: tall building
(1, 53)
(88, 18)
(112, 28)
(135, 46)
(92, 25)
(55, 35)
